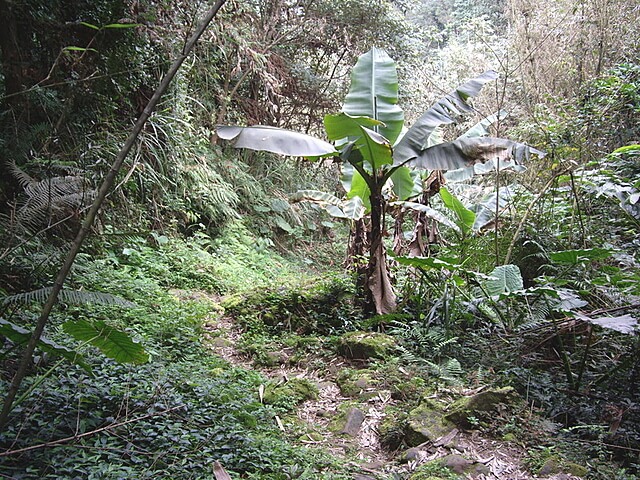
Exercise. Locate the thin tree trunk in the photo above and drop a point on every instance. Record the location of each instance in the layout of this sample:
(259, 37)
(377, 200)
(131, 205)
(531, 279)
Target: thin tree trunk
(93, 211)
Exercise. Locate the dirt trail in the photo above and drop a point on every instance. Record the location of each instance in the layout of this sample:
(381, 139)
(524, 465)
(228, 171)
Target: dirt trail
(503, 461)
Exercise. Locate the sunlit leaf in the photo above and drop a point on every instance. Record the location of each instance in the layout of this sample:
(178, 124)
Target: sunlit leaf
(343, 125)
(374, 92)
(573, 257)
(443, 112)
(111, 342)
(430, 213)
(427, 262)
(481, 129)
(467, 152)
(466, 217)
(79, 49)
(122, 25)
(504, 279)
(624, 324)
(275, 140)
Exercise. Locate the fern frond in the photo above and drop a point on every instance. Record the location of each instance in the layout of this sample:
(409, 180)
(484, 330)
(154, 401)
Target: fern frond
(20, 175)
(52, 198)
(70, 296)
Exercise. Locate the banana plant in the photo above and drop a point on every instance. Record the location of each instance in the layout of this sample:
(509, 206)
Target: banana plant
(380, 156)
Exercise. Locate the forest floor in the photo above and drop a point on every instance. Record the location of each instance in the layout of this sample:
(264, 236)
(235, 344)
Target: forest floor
(349, 426)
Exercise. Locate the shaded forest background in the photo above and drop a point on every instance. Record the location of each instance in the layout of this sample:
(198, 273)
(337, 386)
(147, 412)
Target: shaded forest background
(189, 212)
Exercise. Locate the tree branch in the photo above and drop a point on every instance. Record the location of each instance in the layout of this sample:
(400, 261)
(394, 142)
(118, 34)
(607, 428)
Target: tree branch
(107, 183)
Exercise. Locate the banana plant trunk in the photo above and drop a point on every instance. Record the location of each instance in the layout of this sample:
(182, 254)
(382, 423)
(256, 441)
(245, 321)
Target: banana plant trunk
(379, 295)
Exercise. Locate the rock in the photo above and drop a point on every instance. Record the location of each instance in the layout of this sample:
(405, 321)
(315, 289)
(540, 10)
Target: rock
(427, 423)
(277, 358)
(360, 476)
(365, 345)
(290, 392)
(353, 382)
(555, 465)
(221, 342)
(392, 428)
(355, 417)
(464, 466)
(410, 455)
(464, 408)
(451, 466)
(456, 463)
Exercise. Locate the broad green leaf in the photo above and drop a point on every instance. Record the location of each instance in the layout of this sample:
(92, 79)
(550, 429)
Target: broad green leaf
(283, 224)
(466, 217)
(354, 209)
(342, 125)
(346, 175)
(276, 140)
(111, 342)
(431, 213)
(359, 188)
(374, 93)
(627, 149)
(443, 112)
(406, 183)
(503, 280)
(467, 152)
(21, 336)
(374, 148)
(573, 257)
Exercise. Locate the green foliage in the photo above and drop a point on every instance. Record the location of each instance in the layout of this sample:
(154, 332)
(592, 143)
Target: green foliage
(113, 343)
(20, 336)
(504, 279)
(169, 416)
(321, 307)
(287, 394)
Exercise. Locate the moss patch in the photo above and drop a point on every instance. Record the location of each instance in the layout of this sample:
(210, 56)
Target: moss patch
(353, 382)
(365, 345)
(426, 423)
(290, 393)
(489, 400)
(554, 465)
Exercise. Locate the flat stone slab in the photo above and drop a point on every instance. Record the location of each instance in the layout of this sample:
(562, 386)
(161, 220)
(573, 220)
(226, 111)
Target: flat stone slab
(355, 418)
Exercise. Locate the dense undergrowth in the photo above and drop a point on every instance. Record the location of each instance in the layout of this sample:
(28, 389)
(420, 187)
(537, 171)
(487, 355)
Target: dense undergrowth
(173, 416)
(199, 243)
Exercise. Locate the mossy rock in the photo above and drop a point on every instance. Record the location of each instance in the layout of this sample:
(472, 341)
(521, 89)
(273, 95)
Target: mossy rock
(352, 382)
(290, 393)
(392, 428)
(555, 465)
(481, 403)
(425, 423)
(339, 419)
(409, 390)
(365, 345)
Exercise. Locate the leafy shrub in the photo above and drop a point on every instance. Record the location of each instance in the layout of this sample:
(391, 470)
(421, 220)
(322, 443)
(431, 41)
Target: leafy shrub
(324, 307)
